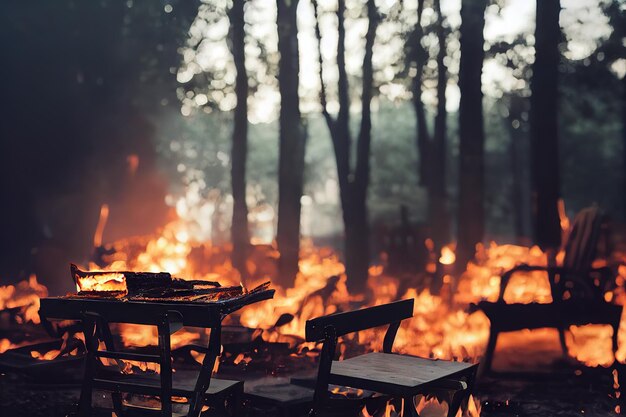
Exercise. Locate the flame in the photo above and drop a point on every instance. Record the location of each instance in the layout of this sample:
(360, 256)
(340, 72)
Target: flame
(447, 255)
(446, 329)
(563, 219)
(102, 221)
(25, 296)
(102, 282)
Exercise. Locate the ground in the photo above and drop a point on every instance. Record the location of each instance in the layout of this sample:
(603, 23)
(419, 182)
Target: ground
(563, 393)
(532, 379)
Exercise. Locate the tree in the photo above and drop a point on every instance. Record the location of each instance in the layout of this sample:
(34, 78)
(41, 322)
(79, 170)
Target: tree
(513, 111)
(544, 126)
(419, 55)
(471, 216)
(353, 183)
(239, 231)
(431, 150)
(613, 50)
(292, 143)
(438, 197)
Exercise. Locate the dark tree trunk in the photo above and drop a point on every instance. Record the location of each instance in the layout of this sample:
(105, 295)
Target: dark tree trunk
(419, 56)
(624, 143)
(352, 186)
(438, 211)
(292, 144)
(515, 154)
(239, 230)
(544, 126)
(471, 216)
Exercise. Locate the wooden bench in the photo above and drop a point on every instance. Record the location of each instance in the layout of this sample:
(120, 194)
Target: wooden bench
(577, 290)
(394, 375)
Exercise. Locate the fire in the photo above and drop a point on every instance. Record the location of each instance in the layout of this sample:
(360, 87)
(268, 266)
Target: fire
(445, 327)
(24, 297)
(102, 221)
(104, 282)
(441, 326)
(427, 407)
(447, 255)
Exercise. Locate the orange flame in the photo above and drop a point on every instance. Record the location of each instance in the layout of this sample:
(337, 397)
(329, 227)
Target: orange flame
(102, 221)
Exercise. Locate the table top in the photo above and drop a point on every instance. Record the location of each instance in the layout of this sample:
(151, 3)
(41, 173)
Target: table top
(119, 310)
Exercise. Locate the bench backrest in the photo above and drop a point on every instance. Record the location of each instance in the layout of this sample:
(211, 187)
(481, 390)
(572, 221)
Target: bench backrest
(357, 320)
(582, 242)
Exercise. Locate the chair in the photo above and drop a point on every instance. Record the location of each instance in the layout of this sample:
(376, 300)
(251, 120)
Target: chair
(577, 290)
(394, 375)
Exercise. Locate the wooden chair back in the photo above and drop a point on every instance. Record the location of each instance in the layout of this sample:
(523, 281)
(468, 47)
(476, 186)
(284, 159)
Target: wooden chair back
(357, 320)
(582, 242)
(328, 328)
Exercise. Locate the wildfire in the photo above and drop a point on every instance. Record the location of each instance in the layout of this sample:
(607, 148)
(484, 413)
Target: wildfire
(441, 326)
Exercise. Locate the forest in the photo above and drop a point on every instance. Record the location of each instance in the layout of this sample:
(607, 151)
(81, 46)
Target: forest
(372, 208)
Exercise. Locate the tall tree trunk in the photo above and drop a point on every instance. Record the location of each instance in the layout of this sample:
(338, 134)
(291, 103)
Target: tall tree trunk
(239, 230)
(438, 211)
(515, 153)
(357, 239)
(471, 216)
(624, 143)
(292, 144)
(544, 125)
(419, 56)
(624, 148)
(352, 186)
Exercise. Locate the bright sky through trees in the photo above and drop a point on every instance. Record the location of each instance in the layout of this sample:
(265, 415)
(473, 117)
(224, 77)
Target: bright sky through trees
(583, 23)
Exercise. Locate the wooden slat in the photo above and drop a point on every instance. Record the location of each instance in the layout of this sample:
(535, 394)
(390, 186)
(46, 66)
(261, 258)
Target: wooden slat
(354, 321)
(140, 357)
(395, 374)
(580, 249)
(149, 384)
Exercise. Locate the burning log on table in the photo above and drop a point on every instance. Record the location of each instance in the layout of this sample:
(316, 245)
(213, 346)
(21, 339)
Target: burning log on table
(151, 286)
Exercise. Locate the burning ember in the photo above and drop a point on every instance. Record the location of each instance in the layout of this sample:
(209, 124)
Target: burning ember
(112, 281)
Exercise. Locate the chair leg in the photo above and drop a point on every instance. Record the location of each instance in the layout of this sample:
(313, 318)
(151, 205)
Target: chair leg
(467, 393)
(84, 405)
(166, 369)
(562, 340)
(409, 408)
(491, 347)
(236, 398)
(457, 401)
(614, 338)
(107, 338)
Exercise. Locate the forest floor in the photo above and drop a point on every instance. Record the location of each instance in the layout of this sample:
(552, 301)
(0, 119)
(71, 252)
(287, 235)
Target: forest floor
(563, 392)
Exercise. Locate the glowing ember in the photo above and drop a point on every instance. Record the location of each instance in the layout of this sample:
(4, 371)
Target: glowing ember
(104, 282)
